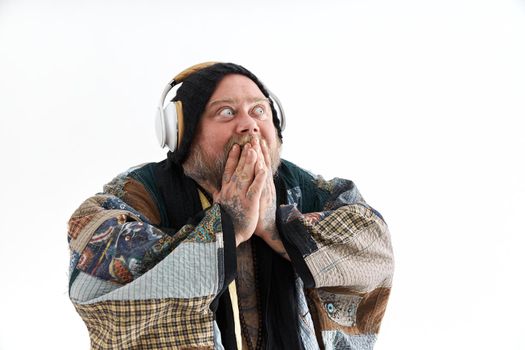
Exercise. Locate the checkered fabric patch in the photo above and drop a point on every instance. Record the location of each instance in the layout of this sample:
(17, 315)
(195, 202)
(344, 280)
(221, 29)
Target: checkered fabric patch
(341, 225)
(149, 324)
(76, 224)
(90, 206)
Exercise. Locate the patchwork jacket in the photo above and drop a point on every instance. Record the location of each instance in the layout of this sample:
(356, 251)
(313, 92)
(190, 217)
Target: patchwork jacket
(140, 284)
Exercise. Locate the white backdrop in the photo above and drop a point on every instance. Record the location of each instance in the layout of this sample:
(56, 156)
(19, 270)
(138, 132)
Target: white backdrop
(419, 102)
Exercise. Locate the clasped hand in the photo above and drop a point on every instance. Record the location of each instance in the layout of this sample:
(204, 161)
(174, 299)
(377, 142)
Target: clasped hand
(248, 192)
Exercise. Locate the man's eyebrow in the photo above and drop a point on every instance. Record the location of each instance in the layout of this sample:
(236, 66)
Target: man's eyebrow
(224, 100)
(233, 101)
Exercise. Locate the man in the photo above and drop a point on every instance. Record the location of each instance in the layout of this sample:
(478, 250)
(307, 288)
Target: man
(225, 245)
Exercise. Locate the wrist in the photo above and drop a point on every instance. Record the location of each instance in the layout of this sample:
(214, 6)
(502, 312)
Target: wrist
(272, 238)
(268, 232)
(239, 239)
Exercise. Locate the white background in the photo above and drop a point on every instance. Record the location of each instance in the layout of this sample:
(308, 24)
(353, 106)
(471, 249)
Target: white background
(421, 103)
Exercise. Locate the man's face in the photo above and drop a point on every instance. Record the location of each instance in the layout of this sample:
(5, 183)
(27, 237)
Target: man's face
(236, 112)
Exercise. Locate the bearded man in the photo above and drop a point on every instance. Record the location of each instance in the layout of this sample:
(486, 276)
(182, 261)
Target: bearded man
(223, 245)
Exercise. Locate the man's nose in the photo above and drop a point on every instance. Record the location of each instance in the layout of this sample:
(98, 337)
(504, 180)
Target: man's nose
(246, 124)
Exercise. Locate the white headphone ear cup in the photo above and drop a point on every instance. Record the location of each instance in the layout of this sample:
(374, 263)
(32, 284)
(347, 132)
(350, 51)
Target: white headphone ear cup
(159, 128)
(170, 126)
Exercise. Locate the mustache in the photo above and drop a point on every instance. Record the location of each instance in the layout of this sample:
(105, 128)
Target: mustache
(241, 141)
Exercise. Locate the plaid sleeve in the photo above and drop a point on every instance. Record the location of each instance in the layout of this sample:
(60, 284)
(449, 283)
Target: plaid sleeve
(347, 243)
(344, 256)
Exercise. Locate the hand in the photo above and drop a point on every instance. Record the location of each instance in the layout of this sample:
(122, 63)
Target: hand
(242, 184)
(266, 228)
(267, 205)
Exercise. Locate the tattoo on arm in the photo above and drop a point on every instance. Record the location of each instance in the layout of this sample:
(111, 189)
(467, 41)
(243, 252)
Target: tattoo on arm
(234, 209)
(278, 245)
(269, 220)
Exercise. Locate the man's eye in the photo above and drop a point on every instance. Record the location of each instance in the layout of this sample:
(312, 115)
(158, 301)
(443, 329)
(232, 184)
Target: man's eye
(226, 112)
(258, 110)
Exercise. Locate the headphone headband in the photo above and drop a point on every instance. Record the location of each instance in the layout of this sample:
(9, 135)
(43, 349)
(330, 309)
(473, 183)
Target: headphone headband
(179, 78)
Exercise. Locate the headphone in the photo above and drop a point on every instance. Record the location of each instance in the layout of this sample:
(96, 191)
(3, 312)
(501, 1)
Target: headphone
(169, 120)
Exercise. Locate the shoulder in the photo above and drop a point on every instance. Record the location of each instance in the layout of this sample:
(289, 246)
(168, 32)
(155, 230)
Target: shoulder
(136, 187)
(301, 187)
(292, 174)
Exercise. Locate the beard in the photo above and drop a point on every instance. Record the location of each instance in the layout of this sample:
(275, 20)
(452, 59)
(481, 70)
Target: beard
(206, 168)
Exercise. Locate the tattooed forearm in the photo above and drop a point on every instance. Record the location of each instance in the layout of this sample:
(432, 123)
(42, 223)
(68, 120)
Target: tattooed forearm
(274, 241)
(275, 234)
(278, 246)
(269, 219)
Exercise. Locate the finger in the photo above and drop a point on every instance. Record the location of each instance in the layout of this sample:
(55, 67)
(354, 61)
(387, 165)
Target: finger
(271, 187)
(256, 143)
(260, 163)
(266, 153)
(231, 163)
(256, 188)
(242, 160)
(244, 173)
(248, 172)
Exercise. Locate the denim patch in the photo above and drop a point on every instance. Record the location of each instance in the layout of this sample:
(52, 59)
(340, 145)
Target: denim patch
(294, 196)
